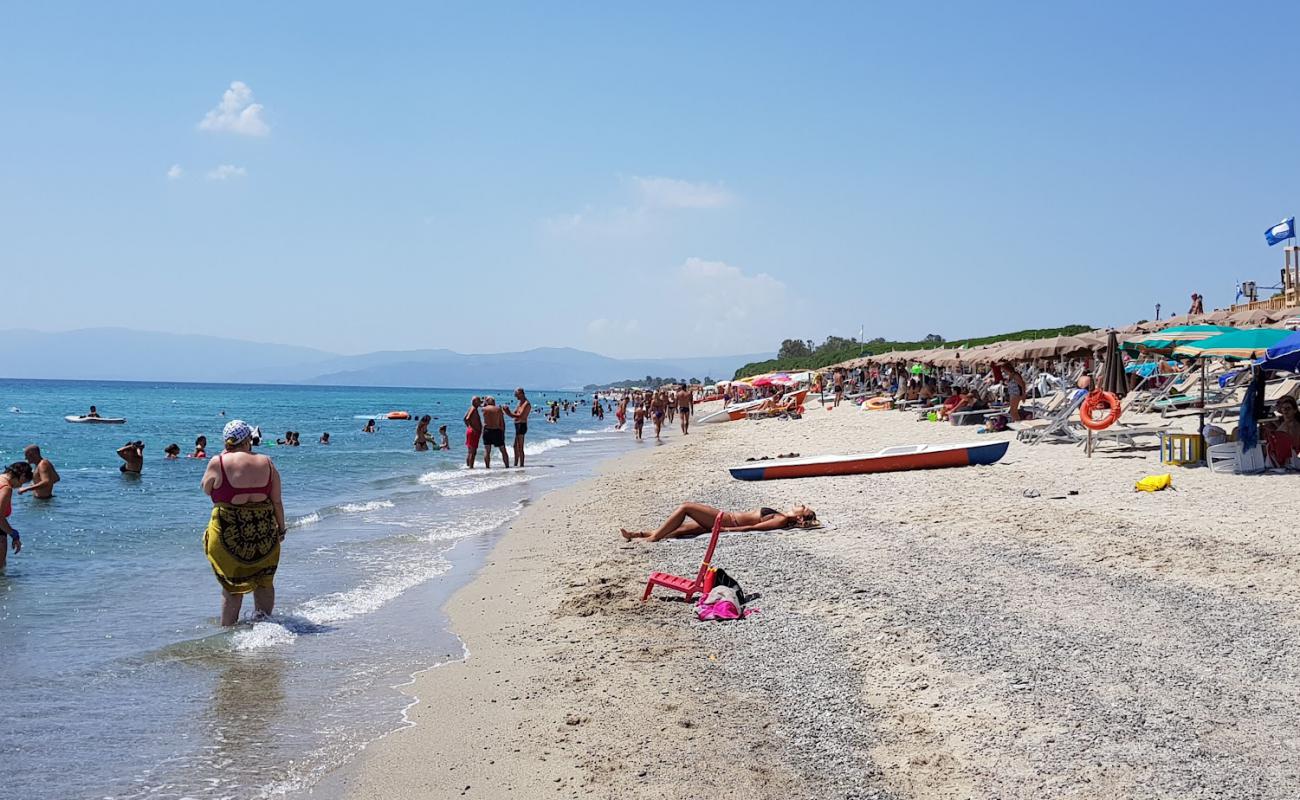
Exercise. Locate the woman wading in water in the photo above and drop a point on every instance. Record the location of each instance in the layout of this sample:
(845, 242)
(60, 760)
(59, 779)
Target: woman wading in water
(691, 519)
(247, 524)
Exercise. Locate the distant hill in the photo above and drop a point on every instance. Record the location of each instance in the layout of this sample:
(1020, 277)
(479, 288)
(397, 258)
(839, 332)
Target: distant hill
(122, 354)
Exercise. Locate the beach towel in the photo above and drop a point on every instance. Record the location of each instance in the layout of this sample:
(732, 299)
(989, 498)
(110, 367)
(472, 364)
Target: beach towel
(243, 545)
(1252, 410)
(722, 602)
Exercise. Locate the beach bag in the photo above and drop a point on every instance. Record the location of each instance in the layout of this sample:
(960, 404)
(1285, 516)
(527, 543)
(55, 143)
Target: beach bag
(721, 578)
(1155, 483)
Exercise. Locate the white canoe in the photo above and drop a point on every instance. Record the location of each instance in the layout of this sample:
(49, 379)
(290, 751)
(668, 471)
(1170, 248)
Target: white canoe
(97, 420)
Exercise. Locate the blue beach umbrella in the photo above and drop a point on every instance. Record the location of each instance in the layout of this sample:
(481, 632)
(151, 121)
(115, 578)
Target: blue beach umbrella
(1284, 355)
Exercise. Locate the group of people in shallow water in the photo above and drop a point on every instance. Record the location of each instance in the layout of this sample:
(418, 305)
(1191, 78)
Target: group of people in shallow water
(657, 405)
(485, 422)
(247, 523)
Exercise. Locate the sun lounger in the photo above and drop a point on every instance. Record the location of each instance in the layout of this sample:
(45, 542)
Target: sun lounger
(1061, 426)
(1126, 435)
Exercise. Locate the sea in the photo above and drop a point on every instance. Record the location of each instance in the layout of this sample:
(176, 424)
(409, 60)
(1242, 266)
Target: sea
(116, 680)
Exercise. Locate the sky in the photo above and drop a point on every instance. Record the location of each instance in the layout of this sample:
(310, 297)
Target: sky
(643, 180)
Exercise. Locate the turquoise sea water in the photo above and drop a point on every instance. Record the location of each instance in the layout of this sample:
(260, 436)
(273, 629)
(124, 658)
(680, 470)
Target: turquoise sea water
(118, 683)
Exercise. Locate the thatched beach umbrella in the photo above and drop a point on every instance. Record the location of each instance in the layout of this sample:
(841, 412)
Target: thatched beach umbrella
(1055, 347)
(1254, 317)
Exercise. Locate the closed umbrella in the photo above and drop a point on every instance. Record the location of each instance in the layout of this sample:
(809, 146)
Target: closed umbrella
(1112, 379)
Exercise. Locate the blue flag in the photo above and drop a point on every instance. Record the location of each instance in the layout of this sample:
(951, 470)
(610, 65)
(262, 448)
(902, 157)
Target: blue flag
(1280, 232)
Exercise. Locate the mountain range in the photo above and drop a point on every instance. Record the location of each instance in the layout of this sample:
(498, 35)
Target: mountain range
(124, 354)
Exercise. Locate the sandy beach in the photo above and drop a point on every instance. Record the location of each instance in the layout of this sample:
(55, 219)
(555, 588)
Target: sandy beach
(942, 636)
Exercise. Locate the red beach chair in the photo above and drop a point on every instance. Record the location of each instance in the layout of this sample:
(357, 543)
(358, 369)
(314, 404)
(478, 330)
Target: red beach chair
(685, 585)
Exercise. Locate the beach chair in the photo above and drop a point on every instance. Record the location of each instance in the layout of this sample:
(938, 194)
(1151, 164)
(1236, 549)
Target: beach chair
(1060, 425)
(687, 586)
(1229, 458)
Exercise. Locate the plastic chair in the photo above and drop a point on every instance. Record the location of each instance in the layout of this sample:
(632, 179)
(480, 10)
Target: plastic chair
(685, 585)
(1229, 458)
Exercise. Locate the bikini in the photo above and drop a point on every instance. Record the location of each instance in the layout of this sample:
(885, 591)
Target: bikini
(225, 493)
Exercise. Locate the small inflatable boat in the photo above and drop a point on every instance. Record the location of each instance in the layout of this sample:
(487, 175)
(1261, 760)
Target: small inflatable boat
(891, 459)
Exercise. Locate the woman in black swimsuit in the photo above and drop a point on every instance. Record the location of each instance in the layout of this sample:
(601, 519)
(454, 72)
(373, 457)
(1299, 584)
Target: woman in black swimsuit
(691, 519)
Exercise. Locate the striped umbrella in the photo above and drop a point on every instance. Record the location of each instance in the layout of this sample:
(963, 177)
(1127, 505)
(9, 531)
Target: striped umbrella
(1237, 345)
(1169, 338)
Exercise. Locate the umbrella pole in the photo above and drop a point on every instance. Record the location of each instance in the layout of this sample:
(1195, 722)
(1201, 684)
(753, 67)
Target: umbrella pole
(1200, 428)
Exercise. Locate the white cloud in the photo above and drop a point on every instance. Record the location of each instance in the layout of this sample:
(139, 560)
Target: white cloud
(730, 309)
(236, 113)
(226, 172)
(175, 172)
(674, 193)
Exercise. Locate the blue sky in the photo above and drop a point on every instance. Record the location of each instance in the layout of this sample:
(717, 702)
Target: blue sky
(639, 180)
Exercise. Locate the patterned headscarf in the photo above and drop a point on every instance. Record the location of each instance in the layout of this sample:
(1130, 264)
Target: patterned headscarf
(236, 432)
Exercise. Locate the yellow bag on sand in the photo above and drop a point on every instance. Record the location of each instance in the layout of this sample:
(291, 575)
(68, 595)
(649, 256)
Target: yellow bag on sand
(1154, 483)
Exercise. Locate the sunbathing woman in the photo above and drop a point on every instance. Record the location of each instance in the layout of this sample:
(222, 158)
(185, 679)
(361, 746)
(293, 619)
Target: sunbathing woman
(691, 519)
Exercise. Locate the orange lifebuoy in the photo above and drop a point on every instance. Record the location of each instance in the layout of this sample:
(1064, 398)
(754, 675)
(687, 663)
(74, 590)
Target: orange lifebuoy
(1093, 402)
(397, 415)
(879, 404)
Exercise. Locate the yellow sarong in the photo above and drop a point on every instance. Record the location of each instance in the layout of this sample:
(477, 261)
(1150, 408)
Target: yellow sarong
(243, 546)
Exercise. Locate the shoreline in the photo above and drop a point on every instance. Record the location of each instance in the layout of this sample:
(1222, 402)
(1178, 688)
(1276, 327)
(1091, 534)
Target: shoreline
(538, 701)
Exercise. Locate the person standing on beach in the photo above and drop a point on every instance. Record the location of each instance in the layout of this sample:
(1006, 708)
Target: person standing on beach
(638, 420)
(839, 387)
(520, 416)
(684, 403)
(473, 430)
(45, 474)
(657, 405)
(494, 432)
(246, 527)
(14, 476)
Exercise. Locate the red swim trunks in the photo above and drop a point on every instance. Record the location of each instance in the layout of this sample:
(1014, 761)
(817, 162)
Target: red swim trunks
(471, 438)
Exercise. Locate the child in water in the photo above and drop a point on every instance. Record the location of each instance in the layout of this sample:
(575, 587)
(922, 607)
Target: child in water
(442, 438)
(638, 421)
